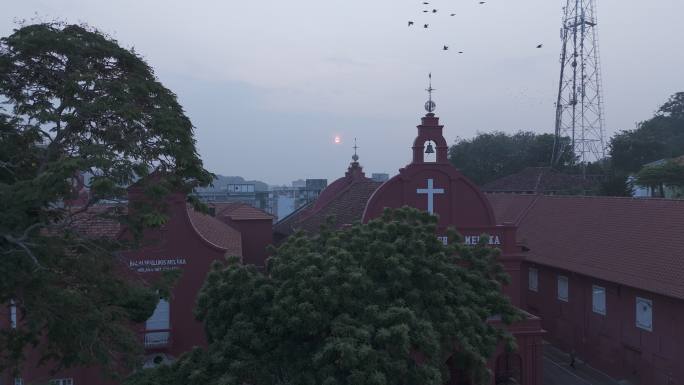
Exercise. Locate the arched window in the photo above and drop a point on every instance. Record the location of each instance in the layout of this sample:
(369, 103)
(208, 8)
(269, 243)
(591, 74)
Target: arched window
(157, 327)
(508, 369)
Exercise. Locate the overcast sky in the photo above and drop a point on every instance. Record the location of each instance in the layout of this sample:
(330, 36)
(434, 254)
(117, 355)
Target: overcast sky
(270, 83)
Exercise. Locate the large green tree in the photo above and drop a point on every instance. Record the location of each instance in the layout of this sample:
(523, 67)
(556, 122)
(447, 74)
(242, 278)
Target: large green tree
(489, 156)
(660, 137)
(74, 102)
(378, 303)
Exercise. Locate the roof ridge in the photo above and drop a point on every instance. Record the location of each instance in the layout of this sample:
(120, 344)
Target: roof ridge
(644, 199)
(527, 209)
(539, 178)
(339, 193)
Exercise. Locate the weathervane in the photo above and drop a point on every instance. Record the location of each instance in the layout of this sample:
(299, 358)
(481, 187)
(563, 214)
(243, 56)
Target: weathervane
(430, 105)
(355, 158)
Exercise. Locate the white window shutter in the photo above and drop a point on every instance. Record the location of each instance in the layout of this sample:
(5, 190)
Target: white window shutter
(13, 314)
(563, 288)
(598, 299)
(644, 313)
(533, 279)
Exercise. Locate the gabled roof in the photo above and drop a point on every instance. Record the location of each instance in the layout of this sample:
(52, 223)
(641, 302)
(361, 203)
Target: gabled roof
(216, 232)
(543, 180)
(94, 223)
(633, 242)
(345, 200)
(240, 211)
(346, 207)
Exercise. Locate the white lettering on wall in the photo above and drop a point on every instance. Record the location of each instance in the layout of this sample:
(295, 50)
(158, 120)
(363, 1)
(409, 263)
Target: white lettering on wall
(156, 265)
(472, 240)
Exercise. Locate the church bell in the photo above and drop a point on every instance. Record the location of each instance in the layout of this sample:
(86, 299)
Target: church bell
(429, 149)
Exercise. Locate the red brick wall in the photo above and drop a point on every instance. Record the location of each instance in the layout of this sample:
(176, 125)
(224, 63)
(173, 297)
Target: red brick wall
(257, 235)
(612, 342)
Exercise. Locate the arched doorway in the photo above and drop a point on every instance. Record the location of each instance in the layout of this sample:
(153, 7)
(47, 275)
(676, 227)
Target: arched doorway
(508, 369)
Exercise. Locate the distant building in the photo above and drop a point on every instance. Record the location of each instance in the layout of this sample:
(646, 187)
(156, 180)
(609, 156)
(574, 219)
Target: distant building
(285, 200)
(380, 176)
(237, 193)
(299, 183)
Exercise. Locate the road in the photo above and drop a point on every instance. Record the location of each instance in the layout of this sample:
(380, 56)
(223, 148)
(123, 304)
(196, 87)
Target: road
(557, 370)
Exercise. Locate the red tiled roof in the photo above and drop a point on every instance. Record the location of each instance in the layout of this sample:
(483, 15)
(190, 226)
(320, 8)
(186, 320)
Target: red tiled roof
(510, 207)
(94, 223)
(240, 211)
(216, 232)
(541, 180)
(634, 242)
(346, 207)
(97, 221)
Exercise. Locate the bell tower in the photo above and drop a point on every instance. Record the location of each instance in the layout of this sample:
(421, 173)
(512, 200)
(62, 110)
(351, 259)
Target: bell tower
(430, 138)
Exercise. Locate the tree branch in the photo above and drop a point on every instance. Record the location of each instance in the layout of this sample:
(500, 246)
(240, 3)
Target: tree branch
(20, 242)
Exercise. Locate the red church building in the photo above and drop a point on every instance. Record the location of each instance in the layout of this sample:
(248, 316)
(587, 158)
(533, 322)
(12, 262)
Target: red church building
(603, 274)
(436, 186)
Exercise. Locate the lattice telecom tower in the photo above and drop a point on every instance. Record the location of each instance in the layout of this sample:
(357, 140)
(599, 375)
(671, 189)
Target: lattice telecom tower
(579, 108)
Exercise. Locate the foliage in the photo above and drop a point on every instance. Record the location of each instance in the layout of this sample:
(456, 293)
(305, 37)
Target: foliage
(74, 102)
(668, 174)
(378, 303)
(490, 156)
(660, 137)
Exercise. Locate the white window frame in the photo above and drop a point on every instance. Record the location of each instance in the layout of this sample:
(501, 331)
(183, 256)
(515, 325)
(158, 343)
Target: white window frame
(594, 305)
(533, 279)
(640, 302)
(562, 279)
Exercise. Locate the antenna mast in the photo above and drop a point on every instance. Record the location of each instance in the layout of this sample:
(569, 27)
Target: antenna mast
(579, 107)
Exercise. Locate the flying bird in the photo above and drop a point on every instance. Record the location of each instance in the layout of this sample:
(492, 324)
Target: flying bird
(446, 48)
(410, 23)
(453, 14)
(482, 2)
(425, 11)
(540, 45)
(425, 2)
(425, 26)
(460, 51)
(434, 11)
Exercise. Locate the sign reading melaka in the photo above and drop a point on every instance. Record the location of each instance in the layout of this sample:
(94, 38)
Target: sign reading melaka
(472, 240)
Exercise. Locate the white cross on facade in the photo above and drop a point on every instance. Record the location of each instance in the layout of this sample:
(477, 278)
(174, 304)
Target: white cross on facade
(430, 191)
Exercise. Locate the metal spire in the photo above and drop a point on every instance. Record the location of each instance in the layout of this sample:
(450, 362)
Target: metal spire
(430, 105)
(355, 157)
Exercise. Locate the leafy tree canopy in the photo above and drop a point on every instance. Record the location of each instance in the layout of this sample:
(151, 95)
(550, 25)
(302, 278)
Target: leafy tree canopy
(490, 156)
(668, 174)
(660, 137)
(73, 102)
(378, 303)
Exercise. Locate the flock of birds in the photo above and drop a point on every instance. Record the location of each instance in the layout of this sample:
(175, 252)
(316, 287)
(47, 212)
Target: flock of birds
(434, 10)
